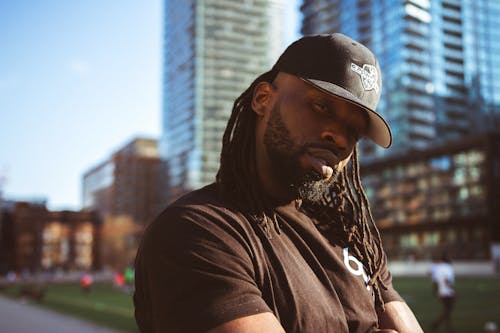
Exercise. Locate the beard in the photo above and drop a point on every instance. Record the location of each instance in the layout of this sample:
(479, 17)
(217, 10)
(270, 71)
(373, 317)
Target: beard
(284, 154)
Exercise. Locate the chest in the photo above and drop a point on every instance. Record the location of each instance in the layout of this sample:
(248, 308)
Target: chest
(312, 286)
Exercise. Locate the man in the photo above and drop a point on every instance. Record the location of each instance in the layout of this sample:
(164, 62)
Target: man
(283, 241)
(445, 281)
(435, 263)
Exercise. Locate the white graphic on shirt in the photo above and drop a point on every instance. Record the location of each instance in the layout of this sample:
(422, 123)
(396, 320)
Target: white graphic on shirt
(369, 76)
(359, 270)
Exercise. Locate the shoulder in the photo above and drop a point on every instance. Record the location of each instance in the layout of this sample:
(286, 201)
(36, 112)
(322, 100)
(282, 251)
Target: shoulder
(199, 216)
(201, 207)
(204, 203)
(449, 269)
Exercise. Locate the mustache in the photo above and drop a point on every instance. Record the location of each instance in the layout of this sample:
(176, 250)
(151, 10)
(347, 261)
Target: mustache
(332, 147)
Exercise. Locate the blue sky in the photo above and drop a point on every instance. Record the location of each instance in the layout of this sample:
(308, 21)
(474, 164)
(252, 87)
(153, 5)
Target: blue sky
(78, 79)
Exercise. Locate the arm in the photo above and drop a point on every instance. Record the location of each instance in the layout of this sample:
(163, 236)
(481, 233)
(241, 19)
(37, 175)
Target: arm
(399, 317)
(262, 322)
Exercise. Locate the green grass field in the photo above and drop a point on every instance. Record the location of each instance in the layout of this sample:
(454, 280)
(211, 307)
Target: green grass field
(478, 301)
(103, 305)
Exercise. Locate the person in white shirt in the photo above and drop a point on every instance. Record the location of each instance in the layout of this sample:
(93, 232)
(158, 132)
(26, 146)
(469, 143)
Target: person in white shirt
(436, 261)
(444, 278)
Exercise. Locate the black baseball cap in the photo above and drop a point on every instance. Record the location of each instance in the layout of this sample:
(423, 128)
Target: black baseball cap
(342, 67)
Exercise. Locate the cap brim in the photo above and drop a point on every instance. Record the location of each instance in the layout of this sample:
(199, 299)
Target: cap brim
(378, 130)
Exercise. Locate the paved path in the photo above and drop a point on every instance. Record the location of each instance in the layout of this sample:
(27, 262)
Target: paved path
(18, 317)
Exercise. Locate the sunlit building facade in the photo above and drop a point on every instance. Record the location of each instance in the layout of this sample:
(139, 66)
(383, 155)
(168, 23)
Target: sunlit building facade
(43, 240)
(439, 61)
(213, 50)
(127, 183)
(126, 191)
(441, 199)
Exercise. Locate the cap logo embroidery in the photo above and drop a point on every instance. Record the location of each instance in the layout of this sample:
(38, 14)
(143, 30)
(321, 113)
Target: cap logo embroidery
(368, 74)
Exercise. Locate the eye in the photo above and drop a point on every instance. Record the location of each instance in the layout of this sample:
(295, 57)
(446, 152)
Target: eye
(319, 107)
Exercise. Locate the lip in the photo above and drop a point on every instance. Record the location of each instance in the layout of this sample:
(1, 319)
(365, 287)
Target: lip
(329, 157)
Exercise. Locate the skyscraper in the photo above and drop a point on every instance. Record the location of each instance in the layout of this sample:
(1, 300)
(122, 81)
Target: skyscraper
(127, 183)
(438, 58)
(125, 191)
(481, 35)
(213, 49)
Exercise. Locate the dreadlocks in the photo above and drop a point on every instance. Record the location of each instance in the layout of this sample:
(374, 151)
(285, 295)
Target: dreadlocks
(343, 215)
(237, 172)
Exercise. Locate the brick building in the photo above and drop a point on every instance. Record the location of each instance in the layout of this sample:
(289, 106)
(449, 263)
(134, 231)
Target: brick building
(126, 191)
(36, 239)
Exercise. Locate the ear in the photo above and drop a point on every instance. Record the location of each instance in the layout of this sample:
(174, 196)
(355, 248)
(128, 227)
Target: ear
(262, 98)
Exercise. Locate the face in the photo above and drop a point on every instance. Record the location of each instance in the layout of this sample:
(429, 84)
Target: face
(308, 138)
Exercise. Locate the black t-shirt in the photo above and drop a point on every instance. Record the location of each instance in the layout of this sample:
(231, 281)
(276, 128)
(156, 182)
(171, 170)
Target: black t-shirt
(201, 264)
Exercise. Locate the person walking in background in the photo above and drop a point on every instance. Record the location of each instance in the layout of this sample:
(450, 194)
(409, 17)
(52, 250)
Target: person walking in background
(490, 327)
(444, 278)
(118, 280)
(129, 276)
(436, 260)
(86, 282)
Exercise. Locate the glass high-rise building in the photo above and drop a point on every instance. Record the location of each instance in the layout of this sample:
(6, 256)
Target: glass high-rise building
(443, 199)
(481, 35)
(213, 50)
(439, 61)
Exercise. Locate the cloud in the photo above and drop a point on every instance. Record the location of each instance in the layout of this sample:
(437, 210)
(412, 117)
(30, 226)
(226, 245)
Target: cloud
(79, 67)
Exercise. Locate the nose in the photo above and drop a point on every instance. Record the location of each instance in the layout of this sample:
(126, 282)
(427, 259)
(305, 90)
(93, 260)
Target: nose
(336, 136)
